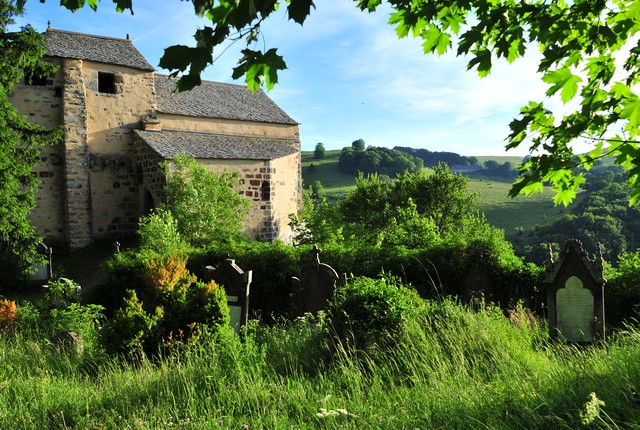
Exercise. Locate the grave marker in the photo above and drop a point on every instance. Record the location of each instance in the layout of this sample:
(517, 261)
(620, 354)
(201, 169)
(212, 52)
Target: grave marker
(575, 295)
(237, 284)
(314, 289)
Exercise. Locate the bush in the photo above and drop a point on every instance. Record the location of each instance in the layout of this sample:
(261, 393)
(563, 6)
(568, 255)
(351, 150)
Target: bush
(205, 205)
(7, 314)
(129, 328)
(370, 312)
(622, 291)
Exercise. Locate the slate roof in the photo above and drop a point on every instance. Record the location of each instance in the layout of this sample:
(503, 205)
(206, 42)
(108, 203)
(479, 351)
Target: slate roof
(216, 146)
(219, 100)
(67, 44)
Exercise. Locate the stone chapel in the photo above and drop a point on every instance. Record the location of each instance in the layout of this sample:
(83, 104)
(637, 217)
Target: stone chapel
(121, 120)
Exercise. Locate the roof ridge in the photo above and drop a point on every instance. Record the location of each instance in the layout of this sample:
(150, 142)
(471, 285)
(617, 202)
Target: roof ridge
(49, 29)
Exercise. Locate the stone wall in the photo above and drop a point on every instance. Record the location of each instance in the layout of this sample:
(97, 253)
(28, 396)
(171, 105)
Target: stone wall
(42, 104)
(101, 180)
(111, 117)
(267, 219)
(149, 176)
(76, 155)
(225, 126)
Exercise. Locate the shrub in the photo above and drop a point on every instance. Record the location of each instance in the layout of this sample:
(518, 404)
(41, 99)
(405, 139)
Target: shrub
(622, 291)
(367, 312)
(131, 325)
(7, 314)
(206, 205)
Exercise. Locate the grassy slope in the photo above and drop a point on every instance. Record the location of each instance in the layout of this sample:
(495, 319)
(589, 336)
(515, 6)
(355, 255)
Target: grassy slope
(499, 209)
(454, 368)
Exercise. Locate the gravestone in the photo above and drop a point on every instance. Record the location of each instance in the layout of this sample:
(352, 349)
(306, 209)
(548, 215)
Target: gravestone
(575, 295)
(237, 284)
(43, 272)
(477, 284)
(69, 340)
(312, 292)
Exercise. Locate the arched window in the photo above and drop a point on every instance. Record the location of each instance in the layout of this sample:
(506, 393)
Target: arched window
(265, 191)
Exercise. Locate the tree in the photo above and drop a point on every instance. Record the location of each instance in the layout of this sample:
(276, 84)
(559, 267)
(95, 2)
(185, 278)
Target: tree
(358, 145)
(20, 142)
(206, 205)
(442, 196)
(579, 42)
(319, 151)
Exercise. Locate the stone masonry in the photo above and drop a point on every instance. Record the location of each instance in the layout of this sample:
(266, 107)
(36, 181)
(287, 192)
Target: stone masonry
(121, 121)
(78, 186)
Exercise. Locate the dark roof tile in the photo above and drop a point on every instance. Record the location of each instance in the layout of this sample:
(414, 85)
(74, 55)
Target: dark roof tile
(67, 44)
(216, 146)
(219, 100)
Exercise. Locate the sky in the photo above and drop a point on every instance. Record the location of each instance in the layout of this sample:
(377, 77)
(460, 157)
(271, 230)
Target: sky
(348, 76)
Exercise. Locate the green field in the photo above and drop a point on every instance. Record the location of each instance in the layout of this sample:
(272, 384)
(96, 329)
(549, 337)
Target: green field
(335, 182)
(523, 212)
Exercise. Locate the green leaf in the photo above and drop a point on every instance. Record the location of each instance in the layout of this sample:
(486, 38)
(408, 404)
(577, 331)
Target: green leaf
(299, 10)
(177, 57)
(482, 59)
(72, 5)
(122, 5)
(259, 68)
(631, 112)
(398, 19)
(435, 40)
(562, 79)
(564, 196)
(187, 82)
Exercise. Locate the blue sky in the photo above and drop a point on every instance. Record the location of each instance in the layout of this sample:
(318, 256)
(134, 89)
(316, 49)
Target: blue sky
(348, 76)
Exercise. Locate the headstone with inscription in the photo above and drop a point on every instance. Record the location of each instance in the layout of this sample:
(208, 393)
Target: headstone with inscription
(237, 284)
(575, 295)
(312, 292)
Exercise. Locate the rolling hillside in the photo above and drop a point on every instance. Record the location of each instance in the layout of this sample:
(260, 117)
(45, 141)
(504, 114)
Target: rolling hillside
(512, 215)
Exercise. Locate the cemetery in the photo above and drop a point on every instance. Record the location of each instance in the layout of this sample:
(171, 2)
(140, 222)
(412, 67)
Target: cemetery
(378, 328)
(230, 297)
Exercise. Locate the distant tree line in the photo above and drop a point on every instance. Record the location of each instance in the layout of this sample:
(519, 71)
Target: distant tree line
(382, 161)
(433, 158)
(504, 170)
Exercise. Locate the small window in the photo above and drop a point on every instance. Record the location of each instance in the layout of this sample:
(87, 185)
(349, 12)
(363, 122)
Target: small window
(265, 191)
(106, 83)
(35, 77)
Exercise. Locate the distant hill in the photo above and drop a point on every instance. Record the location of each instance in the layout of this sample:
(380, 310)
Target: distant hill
(512, 215)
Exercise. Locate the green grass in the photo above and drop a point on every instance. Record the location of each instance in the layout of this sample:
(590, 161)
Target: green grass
(335, 183)
(510, 214)
(452, 368)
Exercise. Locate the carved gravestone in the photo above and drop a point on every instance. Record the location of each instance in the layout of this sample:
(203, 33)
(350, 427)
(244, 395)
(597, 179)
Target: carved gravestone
(575, 295)
(236, 285)
(315, 288)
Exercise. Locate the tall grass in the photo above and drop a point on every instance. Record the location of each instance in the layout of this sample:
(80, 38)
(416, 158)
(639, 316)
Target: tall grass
(453, 367)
